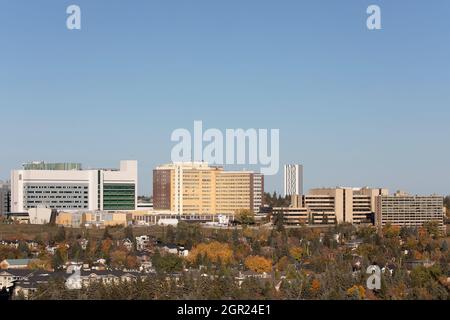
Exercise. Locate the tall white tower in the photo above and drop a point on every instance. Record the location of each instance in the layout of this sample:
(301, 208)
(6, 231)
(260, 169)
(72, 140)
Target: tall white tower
(293, 179)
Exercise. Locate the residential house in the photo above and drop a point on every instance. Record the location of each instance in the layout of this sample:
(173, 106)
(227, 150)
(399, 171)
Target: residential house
(84, 278)
(142, 242)
(30, 284)
(128, 244)
(9, 276)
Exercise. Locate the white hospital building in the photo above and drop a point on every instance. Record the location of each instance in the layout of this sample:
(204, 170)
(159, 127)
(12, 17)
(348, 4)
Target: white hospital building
(66, 186)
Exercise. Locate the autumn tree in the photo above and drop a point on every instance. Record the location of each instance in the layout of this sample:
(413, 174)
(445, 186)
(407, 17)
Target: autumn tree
(356, 292)
(106, 234)
(245, 216)
(119, 258)
(296, 253)
(282, 264)
(390, 231)
(106, 246)
(432, 228)
(315, 287)
(60, 257)
(213, 251)
(258, 264)
(41, 264)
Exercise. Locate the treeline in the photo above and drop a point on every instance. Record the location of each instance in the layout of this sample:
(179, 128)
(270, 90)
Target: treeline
(276, 200)
(303, 263)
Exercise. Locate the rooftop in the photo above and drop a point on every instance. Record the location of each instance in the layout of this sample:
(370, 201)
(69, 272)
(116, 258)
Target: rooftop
(18, 262)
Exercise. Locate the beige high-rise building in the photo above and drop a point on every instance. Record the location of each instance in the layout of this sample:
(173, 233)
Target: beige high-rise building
(197, 188)
(334, 205)
(353, 205)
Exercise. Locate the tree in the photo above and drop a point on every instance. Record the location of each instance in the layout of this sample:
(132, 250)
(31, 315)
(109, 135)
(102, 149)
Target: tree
(129, 233)
(275, 200)
(75, 251)
(167, 263)
(279, 221)
(296, 253)
(105, 248)
(444, 246)
(106, 234)
(119, 258)
(132, 262)
(235, 237)
(23, 249)
(432, 228)
(60, 235)
(315, 286)
(447, 202)
(245, 216)
(258, 264)
(282, 264)
(60, 257)
(44, 263)
(356, 292)
(212, 251)
(390, 231)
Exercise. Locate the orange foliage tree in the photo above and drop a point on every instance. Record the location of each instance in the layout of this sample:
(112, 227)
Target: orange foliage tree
(315, 286)
(118, 258)
(356, 292)
(214, 251)
(391, 231)
(296, 253)
(258, 264)
(106, 247)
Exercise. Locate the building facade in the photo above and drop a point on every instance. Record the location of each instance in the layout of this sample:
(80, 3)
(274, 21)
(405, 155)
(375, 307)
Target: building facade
(328, 206)
(68, 187)
(409, 211)
(338, 205)
(293, 179)
(193, 188)
(5, 197)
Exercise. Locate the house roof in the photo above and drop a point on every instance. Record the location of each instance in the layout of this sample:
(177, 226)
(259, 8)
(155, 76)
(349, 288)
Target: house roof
(116, 273)
(17, 272)
(168, 246)
(26, 284)
(18, 262)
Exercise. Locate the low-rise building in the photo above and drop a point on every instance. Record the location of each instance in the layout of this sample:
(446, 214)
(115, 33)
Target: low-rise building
(15, 263)
(40, 215)
(18, 217)
(84, 278)
(9, 276)
(106, 218)
(69, 219)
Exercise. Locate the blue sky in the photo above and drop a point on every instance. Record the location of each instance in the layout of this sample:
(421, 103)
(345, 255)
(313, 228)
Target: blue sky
(356, 107)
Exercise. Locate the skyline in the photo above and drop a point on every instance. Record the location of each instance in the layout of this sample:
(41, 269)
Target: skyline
(78, 167)
(355, 107)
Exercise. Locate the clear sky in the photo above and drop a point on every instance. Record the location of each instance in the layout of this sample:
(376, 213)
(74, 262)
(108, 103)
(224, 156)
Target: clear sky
(355, 107)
